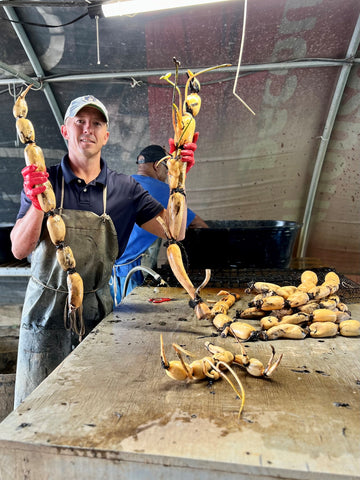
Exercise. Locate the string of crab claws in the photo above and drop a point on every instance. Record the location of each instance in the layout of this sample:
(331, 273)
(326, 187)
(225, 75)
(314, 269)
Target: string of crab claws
(73, 319)
(184, 124)
(177, 266)
(241, 393)
(225, 324)
(179, 190)
(250, 287)
(213, 366)
(164, 159)
(197, 299)
(252, 365)
(242, 333)
(200, 369)
(55, 224)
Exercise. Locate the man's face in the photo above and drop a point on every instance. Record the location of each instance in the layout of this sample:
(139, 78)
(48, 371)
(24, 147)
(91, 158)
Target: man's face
(86, 133)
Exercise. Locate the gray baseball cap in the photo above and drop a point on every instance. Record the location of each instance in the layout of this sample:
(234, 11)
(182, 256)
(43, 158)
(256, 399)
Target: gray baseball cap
(86, 101)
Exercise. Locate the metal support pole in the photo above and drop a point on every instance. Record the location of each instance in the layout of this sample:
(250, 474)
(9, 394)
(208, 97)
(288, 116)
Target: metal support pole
(35, 63)
(325, 137)
(21, 76)
(157, 73)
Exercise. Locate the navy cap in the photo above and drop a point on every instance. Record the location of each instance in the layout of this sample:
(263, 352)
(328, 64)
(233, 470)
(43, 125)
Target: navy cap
(151, 154)
(85, 101)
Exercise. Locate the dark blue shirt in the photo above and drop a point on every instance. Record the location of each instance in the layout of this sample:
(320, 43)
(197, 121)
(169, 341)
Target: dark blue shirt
(140, 240)
(127, 202)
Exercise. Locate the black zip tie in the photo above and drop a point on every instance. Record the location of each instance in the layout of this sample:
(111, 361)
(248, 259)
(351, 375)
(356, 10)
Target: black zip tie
(233, 294)
(194, 302)
(171, 241)
(178, 190)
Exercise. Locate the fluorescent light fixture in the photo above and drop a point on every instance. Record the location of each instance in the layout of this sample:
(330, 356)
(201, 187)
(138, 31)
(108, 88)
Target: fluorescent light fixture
(130, 7)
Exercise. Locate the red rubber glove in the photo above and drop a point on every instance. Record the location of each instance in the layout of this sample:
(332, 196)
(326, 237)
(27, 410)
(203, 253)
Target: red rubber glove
(33, 183)
(187, 151)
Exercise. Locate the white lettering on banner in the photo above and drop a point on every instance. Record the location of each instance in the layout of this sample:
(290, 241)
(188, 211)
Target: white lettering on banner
(295, 45)
(273, 120)
(295, 26)
(54, 53)
(286, 92)
(55, 50)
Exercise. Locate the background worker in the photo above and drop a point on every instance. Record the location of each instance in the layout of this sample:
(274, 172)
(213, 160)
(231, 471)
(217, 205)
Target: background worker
(143, 247)
(99, 208)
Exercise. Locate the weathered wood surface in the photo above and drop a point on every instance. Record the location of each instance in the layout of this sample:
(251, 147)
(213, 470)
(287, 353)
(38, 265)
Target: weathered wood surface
(110, 411)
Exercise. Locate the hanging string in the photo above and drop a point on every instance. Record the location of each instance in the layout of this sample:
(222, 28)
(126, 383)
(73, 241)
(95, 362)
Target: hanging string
(240, 58)
(13, 94)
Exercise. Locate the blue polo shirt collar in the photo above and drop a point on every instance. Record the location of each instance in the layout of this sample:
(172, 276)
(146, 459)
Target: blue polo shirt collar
(70, 177)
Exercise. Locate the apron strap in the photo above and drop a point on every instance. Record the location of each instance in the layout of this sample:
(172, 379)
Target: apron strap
(62, 195)
(104, 198)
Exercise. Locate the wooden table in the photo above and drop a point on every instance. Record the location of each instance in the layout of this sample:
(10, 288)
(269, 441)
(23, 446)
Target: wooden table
(110, 412)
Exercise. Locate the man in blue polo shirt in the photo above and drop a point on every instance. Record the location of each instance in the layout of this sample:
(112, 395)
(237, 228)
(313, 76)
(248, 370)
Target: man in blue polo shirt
(99, 208)
(143, 247)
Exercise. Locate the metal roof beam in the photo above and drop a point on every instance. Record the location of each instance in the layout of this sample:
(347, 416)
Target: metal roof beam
(22, 76)
(156, 73)
(10, 12)
(325, 138)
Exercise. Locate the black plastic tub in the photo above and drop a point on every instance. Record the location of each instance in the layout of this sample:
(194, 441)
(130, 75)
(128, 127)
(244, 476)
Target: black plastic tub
(5, 243)
(241, 244)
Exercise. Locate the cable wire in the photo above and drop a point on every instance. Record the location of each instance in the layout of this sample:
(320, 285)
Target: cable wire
(35, 24)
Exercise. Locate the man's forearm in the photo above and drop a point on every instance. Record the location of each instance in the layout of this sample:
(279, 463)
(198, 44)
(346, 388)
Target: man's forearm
(198, 222)
(160, 226)
(26, 232)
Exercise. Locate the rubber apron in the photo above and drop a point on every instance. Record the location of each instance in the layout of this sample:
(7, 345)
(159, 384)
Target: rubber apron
(44, 341)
